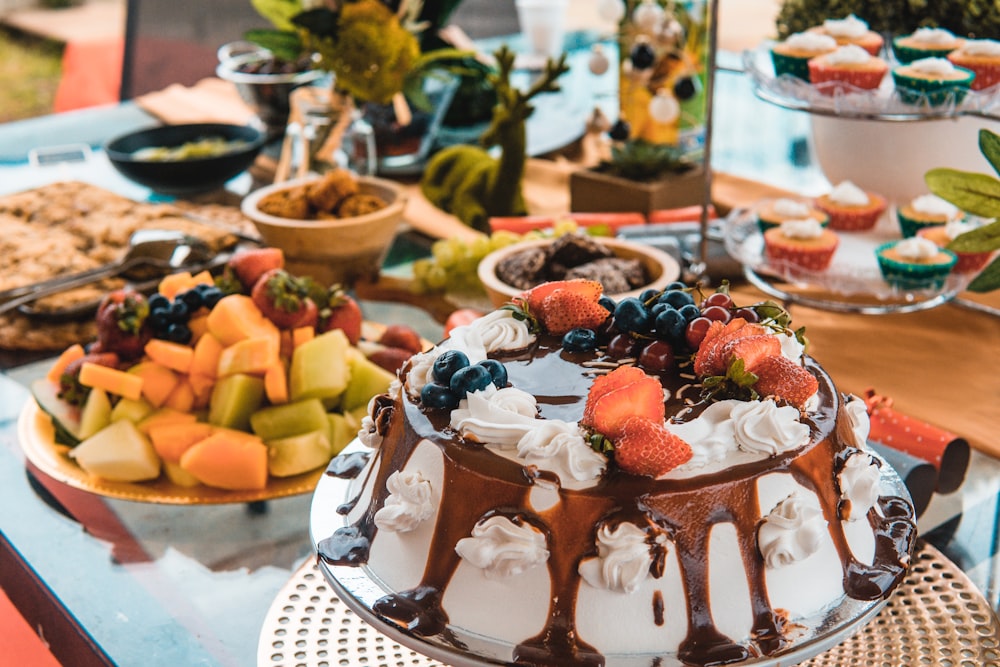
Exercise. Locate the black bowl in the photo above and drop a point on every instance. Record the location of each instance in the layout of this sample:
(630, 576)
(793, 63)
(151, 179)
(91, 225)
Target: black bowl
(188, 176)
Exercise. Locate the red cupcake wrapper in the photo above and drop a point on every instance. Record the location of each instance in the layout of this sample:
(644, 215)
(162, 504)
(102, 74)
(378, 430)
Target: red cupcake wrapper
(861, 219)
(987, 76)
(943, 449)
(814, 259)
(826, 78)
(968, 262)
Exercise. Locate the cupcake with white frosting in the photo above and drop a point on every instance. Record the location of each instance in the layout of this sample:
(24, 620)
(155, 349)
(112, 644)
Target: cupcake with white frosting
(850, 65)
(926, 211)
(851, 30)
(791, 56)
(925, 43)
(914, 263)
(981, 56)
(803, 243)
(851, 208)
(943, 235)
(773, 212)
(932, 81)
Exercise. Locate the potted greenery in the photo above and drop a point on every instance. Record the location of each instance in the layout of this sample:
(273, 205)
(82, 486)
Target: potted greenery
(971, 18)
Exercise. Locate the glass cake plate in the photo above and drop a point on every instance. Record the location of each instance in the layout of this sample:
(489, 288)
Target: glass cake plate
(852, 282)
(360, 589)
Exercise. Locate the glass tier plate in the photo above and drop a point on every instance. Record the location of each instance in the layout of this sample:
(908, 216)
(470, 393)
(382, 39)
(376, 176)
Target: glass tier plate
(843, 100)
(359, 589)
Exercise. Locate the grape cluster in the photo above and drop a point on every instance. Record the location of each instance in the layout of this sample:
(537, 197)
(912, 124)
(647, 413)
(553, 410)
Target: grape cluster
(455, 376)
(170, 319)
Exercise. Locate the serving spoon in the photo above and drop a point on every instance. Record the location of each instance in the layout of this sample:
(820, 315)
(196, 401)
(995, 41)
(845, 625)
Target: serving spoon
(151, 253)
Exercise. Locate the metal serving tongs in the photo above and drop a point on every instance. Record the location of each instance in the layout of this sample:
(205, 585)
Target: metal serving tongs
(152, 253)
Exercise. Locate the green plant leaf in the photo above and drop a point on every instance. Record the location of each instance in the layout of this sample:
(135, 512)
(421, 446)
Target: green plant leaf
(978, 194)
(278, 12)
(980, 239)
(989, 144)
(988, 279)
(284, 45)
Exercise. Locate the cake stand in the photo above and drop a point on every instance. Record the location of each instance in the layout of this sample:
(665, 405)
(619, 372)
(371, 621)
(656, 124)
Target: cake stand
(357, 590)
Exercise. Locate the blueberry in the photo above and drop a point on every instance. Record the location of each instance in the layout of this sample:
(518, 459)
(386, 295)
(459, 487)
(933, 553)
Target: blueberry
(607, 303)
(469, 379)
(678, 299)
(435, 395)
(658, 308)
(447, 363)
(178, 312)
(632, 315)
(159, 320)
(648, 295)
(690, 311)
(158, 302)
(192, 298)
(178, 332)
(211, 296)
(497, 371)
(675, 286)
(579, 340)
(671, 324)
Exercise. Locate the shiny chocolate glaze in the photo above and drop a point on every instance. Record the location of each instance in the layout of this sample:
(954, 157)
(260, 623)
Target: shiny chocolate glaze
(479, 483)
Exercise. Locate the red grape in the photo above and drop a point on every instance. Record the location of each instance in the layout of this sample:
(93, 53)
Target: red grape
(657, 356)
(748, 314)
(622, 346)
(696, 330)
(717, 313)
(718, 299)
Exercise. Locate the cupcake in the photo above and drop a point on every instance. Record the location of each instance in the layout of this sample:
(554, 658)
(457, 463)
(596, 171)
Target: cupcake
(849, 65)
(791, 57)
(934, 80)
(851, 208)
(804, 243)
(943, 235)
(851, 30)
(914, 263)
(981, 56)
(925, 43)
(926, 211)
(773, 212)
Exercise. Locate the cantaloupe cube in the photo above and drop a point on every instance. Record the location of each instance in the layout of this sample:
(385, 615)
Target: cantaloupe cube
(174, 356)
(302, 335)
(173, 284)
(68, 356)
(227, 462)
(111, 380)
(157, 381)
(201, 386)
(172, 439)
(202, 278)
(236, 317)
(198, 324)
(250, 355)
(182, 397)
(206, 356)
(276, 384)
(165, 416)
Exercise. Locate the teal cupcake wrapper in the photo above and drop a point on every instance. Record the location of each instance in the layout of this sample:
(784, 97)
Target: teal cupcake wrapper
(935, 91)
(913, 276)
(907, 54)
(790, 65)
(909, 227)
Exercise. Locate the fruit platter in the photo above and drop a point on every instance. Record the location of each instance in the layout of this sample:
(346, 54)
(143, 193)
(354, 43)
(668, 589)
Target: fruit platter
(221, 388)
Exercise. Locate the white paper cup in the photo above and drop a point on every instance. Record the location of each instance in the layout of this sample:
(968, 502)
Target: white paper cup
(543, 23)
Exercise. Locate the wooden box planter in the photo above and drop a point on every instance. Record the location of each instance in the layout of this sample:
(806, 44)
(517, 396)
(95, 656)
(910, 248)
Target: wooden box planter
(595, 191)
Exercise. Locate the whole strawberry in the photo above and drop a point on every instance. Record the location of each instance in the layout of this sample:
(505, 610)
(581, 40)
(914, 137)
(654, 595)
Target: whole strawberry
(780, 376)
(401, 336)
(646, 447)
(560, 306)
(342, 312)
(250, 264)
(122, 326)
(284, 299)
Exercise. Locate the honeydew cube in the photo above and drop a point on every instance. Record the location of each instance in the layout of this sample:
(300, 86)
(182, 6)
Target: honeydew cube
(367, 379)
(342, 431)
(132, 410)
(282, 421)
(297, 454)
(179, 476)
(96, 413)
(234, 399)
(320, 368)
(119, 453)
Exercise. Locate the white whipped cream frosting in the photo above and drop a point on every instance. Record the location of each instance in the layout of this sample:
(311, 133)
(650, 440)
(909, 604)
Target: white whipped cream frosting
(812, 42)
(558, 446)
(849, 54)
(933, 66)
(805, 228)
(792, 531)
(497, 331)
(790, 346)
(982, 47)
(847, 193)
(494, 416)
(859, 484)
(859, 420)
(850, 27)
(932, 36)
(421, 371)
(955, 228)
(790, 208)
(916, 248)
(408, 503)
(367, 433)
(623, 558)
(502, 548)
(934, 205)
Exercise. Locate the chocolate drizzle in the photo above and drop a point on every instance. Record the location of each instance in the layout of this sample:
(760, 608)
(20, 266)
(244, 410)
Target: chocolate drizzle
(478, 483)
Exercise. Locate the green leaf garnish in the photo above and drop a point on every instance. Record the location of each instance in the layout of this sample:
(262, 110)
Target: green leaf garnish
(980, 239)
(978, 194)
(989, 144)
(988, 279)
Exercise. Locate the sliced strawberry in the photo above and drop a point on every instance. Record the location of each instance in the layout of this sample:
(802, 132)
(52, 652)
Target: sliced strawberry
(589, 289)
(250, 264)
(563, 310)
(616, 379)
(712, 357)
(751, 349)
(641, 398)
(646, 447)
(781, 377)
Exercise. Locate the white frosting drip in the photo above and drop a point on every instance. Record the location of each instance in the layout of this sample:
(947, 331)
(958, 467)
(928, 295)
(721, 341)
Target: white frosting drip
(982, 47)
(792, 531)
(932, 36)
(933, 66)
(850, 27)
(421, 371)
(559, 447)
(847, 193)
(408, 503)
(789, 208)
(860, 421)
(859, 484)
(806, 228)
(916, 248)
(502, 548)
(813, 42)
(849, 54)
(934, 205)
(494, 416)
(764, 428)
(623, 558)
